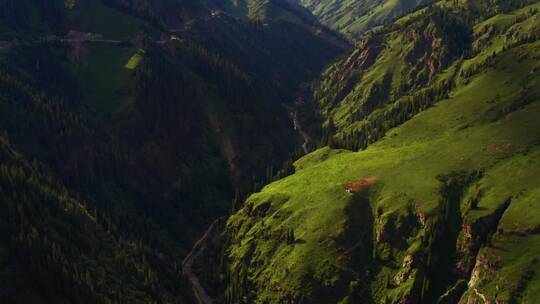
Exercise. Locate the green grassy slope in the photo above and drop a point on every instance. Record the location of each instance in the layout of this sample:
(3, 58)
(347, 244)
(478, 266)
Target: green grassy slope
(98, 67)
(397, 71)
(355, 17)
(102, 69)
(450, 218)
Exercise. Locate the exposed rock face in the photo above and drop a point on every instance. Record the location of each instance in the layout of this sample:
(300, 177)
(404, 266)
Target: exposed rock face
(348, 72)
(474, 235)
(410, 262)
(483, 267)
(432, 47)
(367, 50)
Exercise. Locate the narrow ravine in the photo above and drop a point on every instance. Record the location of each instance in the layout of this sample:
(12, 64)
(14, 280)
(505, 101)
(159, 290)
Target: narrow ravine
(187, 265)
(293, 113)
(298, 127)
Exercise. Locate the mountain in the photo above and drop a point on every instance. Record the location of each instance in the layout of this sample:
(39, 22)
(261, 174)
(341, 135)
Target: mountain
(224, 151)
(428, 192)
(355, 17)
(128, 126)
(265, 10)
(277, 11)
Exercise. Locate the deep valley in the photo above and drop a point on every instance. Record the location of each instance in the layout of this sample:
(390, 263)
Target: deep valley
(269, 151)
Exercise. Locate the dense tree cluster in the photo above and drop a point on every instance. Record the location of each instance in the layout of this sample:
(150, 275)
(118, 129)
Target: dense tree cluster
(375, 125)
(58, 249)
(19, 15)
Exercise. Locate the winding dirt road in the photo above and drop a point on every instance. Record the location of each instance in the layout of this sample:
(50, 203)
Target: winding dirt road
(187, 265)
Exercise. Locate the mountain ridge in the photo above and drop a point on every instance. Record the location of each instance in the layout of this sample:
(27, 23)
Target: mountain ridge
(353, 18)
(402, 169)
(450, 180)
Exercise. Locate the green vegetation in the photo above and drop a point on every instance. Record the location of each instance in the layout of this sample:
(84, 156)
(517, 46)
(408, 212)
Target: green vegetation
(70, 4)
(452, 215)
(135, 60)
(122, 143)
(105, 80)
(399, 71)
(50, 236)
(278, 13)
(30, 16)
(264, 10)
(95, 17)
(355, 17)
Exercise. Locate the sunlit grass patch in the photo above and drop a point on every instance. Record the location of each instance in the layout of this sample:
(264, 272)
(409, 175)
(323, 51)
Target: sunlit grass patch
(135, 60)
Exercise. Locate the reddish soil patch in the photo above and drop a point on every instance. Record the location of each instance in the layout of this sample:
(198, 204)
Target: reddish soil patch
(360, 185)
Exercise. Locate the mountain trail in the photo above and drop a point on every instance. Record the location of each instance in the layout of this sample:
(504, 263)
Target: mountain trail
(187, 265)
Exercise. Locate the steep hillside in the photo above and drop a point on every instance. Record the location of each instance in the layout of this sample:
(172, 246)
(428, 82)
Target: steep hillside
(442, 208)
(150, 117)
(55, 247)
(400, 70)
(265, 10)
(355, 17)
(278, 12)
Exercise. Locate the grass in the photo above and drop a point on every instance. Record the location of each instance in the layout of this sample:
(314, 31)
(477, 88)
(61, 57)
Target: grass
(104, 77)
(135, 60)
(353, 17)
(517, 267)
(477, 128)
(95, 17)
(513, 251)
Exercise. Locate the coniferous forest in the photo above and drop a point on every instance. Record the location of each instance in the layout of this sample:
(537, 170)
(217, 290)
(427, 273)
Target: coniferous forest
(269, 151)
